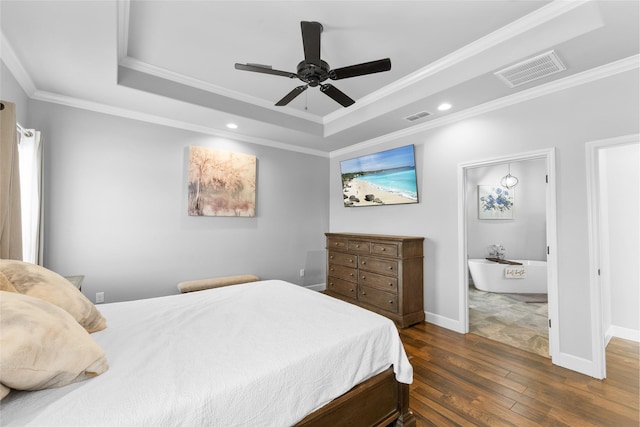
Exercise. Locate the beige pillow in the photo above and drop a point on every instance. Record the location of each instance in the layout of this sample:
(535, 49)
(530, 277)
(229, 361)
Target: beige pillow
(5, 284)
(39, 282)
(43, 346)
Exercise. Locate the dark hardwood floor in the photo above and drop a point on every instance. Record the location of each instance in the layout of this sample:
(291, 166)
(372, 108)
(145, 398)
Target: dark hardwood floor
(470, 380)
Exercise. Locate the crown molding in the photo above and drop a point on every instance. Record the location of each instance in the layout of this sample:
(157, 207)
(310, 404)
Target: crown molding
(178, 124)
(608, 70)
(594, 74)
(526, 23)
(509, 31)
(146, 68)
(122, 23)
(9, 57)
(124, 60)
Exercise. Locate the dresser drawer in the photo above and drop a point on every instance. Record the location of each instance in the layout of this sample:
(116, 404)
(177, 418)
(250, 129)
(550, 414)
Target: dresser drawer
(343, 272)
(379, 272)
(378, 298)
(359, 247)
(342, 287)
(335, 243)
(378, 265)
(342, 258)
(385, 283)
(387, 249)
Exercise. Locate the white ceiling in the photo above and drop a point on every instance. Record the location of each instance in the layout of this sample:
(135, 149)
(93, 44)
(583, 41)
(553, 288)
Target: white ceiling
(172, 62)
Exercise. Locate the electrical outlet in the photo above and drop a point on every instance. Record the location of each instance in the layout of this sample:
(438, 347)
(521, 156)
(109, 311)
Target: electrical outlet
(302, 272)
(99, 297)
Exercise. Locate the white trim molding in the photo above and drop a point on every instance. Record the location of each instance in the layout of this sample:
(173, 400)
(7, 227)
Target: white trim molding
(551, 236)
(594, 74)
(445, 322)
(600, 337)
(14, 65)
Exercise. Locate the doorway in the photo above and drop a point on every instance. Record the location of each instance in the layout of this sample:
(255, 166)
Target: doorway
(612, 252)
(468, 172)
(513, 310)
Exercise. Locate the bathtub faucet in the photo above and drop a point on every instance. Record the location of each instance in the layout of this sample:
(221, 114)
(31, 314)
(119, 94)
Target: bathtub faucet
(497, 251)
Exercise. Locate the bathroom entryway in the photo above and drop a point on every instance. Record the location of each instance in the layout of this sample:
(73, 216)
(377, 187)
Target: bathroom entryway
(521, 321)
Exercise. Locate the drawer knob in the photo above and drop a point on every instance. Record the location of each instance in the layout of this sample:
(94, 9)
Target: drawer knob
(364, 277)
(357, 246)
(351, 274)
(390, 268)
(384, 249)
(390, 301)
(331, 269)
(350, 260)
(364, 263)
(390, 284)
(331, 257)
(351, 290)
(364, 292)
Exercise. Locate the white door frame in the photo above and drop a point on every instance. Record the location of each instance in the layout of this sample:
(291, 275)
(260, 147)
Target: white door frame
(596, 237)
(552, 258)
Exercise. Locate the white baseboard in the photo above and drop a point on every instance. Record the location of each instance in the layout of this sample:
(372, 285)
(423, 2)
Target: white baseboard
(624, 333)
(317, 287)
(576, 363)
(445, 322)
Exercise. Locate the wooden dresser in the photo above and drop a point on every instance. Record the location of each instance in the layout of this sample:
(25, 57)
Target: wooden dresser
(380, 273)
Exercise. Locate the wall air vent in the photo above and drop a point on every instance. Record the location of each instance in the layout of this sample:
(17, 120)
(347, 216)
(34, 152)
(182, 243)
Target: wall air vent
(417, 116)
(531, 69)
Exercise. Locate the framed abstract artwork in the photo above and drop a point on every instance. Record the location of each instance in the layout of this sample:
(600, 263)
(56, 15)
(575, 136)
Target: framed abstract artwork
(221, 183)
(495, 202)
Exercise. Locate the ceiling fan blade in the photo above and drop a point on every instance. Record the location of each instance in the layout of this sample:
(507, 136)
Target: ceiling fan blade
(311, 41)
(291, 95)
(361, 69)
(266, 69)
(336, 94)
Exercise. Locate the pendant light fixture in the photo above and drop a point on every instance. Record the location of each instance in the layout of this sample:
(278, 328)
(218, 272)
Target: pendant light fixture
(509, 181)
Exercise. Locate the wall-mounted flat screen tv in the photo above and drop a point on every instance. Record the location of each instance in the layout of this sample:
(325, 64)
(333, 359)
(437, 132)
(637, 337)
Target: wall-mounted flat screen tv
(384, 178)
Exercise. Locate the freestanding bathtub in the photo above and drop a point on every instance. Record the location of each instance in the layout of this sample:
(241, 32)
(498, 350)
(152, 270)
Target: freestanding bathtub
(528, 278)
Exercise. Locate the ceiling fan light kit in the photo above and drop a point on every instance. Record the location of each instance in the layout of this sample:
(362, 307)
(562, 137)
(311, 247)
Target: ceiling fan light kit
(313, 71)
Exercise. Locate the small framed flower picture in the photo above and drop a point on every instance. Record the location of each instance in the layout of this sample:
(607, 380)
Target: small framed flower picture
(495, 202)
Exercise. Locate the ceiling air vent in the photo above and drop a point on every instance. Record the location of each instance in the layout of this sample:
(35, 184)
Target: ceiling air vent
(531, 69)
(417, 116)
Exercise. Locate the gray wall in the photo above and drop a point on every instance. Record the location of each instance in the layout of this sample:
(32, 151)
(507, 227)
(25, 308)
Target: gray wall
(11, 91)
(524, 236)
(620, 194)
(566, 120)
(116, 208)
(116, 199)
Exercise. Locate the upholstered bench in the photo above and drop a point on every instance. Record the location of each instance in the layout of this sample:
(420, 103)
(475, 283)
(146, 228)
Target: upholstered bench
(215, 282)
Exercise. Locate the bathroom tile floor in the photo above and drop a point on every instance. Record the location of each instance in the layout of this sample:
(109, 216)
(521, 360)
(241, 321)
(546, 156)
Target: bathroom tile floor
(504, 319)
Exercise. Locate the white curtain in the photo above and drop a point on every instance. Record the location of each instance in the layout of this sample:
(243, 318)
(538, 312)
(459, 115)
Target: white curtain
(30, 154)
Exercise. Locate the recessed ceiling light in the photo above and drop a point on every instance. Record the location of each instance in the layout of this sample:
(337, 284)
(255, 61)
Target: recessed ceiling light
(444, 107)
(232, 126)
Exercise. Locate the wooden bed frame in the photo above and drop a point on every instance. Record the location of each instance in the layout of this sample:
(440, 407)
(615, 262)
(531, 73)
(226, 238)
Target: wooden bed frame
(378, 401)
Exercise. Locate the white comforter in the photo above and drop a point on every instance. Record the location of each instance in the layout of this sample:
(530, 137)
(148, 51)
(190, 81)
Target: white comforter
(261, 354)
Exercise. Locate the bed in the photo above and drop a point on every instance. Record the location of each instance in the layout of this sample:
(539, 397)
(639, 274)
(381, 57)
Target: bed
(267, 353)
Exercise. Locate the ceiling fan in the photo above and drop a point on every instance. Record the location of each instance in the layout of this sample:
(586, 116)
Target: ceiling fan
(313, 71)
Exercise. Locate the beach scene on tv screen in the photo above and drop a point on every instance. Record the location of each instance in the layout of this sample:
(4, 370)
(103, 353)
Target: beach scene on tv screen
(384, 178)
